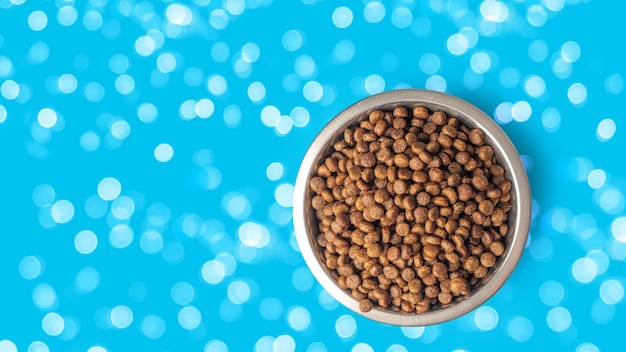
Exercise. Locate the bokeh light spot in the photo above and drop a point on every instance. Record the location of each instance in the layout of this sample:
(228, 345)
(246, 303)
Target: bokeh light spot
(345, 326)
(559, 319)
(606, 130)
(486, 318)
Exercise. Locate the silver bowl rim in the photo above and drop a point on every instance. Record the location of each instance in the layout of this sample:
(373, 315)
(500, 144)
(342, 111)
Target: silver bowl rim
(507, 156)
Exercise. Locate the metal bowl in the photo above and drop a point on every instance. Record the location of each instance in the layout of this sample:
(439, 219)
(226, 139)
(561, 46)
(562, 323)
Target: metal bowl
(306, 223)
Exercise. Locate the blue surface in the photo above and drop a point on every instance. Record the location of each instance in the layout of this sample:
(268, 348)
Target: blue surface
(109, 242)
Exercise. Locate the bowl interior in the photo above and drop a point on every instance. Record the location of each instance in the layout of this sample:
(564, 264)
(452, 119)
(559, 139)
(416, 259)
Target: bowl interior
(306, 223)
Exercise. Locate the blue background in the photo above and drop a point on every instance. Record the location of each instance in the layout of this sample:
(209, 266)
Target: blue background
(110, 243)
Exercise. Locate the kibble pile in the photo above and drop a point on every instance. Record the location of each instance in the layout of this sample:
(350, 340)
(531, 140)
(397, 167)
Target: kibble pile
(412, 208)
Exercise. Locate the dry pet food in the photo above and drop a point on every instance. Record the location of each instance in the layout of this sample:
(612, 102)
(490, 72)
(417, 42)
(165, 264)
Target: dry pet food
(412, 208)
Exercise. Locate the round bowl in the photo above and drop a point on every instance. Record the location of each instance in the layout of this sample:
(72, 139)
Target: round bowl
(305, 222)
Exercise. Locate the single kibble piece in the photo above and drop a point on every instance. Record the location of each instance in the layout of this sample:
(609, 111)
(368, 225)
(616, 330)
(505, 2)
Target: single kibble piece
(365, 305)
(412, 209)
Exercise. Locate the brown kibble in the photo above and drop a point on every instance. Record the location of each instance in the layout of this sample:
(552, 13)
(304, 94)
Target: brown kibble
(371, 238)
(481, 272)
(317, 184)
(444, 284)
(423, 306)
(432, 188)
(380, 171)
(429, 280)
(409, 203)
(374, 212)
(345, 270)
(464, 192)
(318, 202)
(450, 194)
(408, 274)
(487, 259)
(368, 160)
(392, 173)
(449, 131)
(398, 123)
(381, 195)
(471, 264)
(436, 175)
(400, 112)
(429, 239)
(423, 271)
(480, 182)
(375, 270)
(477, 137)
(505, 186)
(385, 301)
(445, 142)
(441, 201)
(400, 187)
(400, 145)
(454, 179)
(420, 112)
(401, 160)
(410, 238)
(395, 291)
(462, 158)
(431, 291)
(367, 200)
(376, 116)
(404, 174)
(459, 286)
(341, 281)
(374, 250)
(358, 237)
(433, 147)
(503, 229)
(403, 228)
(365, 305)
(353, 281)
(478, 217)
(390, 272)
(416, 164)
(424, 156)
(415, 285)
(486, 239)
(447, 246)
(358, 295)
(430, 252)
(393, 253)
(485, 153)
(494, 193)
(440, 270)
(384, 155)
(452, 257)
(331, 164)
(497, 248)
(327, 196)
(460, 145)
(396, 133)
(486, 207)
(476, 249)
(331, 262)
(354, 172)
(323, 171)
(438, 118)
(380, 127)
(444, 297)
(368, 137)
(423, 198)
(420, 214)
